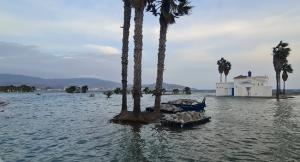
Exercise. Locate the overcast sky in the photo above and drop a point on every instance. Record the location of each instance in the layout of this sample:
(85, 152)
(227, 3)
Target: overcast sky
(82, 38)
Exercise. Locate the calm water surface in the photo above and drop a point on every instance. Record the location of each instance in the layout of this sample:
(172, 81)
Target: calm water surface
(74, 127)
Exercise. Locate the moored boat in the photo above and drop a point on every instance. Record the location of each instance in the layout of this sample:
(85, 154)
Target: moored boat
(189, 105)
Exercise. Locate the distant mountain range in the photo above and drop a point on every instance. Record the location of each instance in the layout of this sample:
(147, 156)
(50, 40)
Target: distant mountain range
(13, 79)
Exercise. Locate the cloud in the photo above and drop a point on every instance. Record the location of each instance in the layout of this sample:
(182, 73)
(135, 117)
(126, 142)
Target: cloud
(31, 60)
(84, 39)
(101, 28)
(272, 26)
(106, 50)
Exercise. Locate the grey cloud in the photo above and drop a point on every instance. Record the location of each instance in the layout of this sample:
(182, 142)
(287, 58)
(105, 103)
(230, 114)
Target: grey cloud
(30, 60)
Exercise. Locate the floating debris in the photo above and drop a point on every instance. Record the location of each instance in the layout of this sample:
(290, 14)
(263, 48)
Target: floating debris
(2, 104)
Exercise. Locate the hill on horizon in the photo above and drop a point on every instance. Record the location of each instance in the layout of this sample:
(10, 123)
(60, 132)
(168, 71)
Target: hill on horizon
(15, 79)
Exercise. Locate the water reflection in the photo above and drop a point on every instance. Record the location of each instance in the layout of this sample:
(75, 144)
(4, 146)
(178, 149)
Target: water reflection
(132, 144)
(285, 131)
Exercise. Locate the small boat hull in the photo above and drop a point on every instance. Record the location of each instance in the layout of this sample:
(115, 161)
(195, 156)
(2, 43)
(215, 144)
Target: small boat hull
(198, 107)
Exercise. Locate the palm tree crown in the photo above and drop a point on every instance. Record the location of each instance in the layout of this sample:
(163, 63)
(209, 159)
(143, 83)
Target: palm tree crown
(169, 10)
(280, 54)
(227, 68)
(221, 65)
(286, 68)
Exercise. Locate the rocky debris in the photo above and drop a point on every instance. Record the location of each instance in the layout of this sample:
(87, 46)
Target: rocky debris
(184, 101)
(183, 117)
(169, 107)
(166, 108)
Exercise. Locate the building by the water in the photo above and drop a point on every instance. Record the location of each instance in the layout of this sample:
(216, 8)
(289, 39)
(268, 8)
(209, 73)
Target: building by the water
(256, 86)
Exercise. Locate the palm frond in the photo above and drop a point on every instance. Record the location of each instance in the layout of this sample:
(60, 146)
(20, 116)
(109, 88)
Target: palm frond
(169, 10)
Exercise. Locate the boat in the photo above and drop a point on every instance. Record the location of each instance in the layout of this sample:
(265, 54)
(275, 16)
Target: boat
(189, 105)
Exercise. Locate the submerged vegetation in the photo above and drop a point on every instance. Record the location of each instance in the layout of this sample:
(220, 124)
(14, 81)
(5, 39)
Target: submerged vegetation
(108, 93)
(187, 90)
(175, 91)
(148, 91)
(76, 89)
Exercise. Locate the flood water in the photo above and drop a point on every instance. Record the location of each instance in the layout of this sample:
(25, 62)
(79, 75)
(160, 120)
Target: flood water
(75, 127)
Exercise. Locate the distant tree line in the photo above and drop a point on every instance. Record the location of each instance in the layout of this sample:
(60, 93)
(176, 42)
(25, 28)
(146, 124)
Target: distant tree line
(147, 90)
(12, 88)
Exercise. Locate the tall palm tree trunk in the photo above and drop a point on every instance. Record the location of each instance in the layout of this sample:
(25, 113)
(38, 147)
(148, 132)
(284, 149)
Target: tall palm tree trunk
(138, 44)
(283, 87)
(160, 65)
(277, 84)
(221, 77)
(225, 78)
(126, 26)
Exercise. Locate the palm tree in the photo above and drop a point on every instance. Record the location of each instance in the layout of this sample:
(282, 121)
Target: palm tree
(139, 6)
(163, 91)
(125, 42)
(168, 11)
(146, 90)
(175, 91)
(220, 64)
(118, 91)
(84, 89)
(108, 93)
(280, 54)
(286, 68)
(187, 90)
(227, 68)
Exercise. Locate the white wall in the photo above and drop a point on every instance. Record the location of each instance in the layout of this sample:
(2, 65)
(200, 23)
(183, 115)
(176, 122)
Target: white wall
(224, 89)
(262, 91)
(257, 86)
